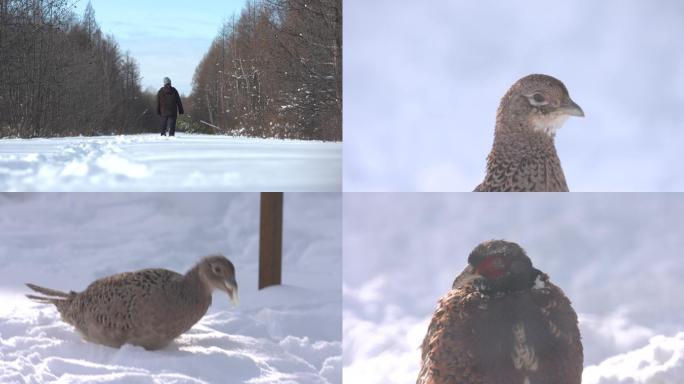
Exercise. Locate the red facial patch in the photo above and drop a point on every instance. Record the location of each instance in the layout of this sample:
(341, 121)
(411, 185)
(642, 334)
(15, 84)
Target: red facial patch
(492, 267)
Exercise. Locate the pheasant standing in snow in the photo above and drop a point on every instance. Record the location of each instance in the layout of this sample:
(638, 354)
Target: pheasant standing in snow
(523, 157)
(503, 322)
(150, 307)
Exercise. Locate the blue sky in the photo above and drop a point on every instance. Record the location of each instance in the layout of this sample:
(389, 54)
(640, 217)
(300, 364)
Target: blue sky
(167, 38)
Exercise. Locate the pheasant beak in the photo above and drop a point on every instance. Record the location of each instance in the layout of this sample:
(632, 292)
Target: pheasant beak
(572, 109)
(232, 290)
(473, 275)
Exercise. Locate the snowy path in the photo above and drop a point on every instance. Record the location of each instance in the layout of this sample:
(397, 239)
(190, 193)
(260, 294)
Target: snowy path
(285, 334)
(154, 163)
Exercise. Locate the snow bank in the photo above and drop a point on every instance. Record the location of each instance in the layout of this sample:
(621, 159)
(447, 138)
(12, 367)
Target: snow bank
(285, 334)
(659, 362)
(182, 163)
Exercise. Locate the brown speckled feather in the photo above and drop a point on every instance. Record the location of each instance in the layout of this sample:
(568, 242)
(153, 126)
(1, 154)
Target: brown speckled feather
(523, 156)
(445, 356)
(523, 164)
(150, 307)
(528, 336)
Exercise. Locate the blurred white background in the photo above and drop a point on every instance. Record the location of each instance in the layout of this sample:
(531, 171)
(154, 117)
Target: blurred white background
(618, 257)
(423, 80)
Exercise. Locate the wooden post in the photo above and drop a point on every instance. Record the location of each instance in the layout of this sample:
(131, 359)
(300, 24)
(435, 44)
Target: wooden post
(271, 239)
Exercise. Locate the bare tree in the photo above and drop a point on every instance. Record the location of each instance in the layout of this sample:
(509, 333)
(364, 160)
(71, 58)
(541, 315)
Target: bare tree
(275, 72)
(60, 76)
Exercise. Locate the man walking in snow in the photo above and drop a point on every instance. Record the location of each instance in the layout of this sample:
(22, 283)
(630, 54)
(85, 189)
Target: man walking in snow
(168, 107)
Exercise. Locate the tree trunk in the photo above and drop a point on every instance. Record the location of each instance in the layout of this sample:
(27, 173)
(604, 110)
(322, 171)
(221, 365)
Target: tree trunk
(271, 239)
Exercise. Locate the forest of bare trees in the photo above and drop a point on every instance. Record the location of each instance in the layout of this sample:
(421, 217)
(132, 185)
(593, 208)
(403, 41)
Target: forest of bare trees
(59, 76)
(276, 71)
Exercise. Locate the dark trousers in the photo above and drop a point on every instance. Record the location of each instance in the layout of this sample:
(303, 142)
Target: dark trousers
(168, 123)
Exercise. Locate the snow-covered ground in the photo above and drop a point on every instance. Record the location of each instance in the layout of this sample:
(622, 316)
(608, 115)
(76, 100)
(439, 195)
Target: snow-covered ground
(285, 334)
(421, 92)
(154, 163)
(618, 257)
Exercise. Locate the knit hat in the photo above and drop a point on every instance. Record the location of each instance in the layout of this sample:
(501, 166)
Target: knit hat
(167, 81)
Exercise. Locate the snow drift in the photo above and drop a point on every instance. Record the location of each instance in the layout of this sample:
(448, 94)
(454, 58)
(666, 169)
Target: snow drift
(182, 163)
(661, 361)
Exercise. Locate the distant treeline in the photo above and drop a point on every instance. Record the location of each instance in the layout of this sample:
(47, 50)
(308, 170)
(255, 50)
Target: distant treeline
(59, 76)
(276, 71)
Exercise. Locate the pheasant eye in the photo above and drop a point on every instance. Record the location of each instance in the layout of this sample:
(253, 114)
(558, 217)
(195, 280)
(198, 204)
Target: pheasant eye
(492, 267)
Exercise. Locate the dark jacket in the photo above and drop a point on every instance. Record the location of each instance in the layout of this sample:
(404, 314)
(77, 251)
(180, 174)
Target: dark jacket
(167, 100)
